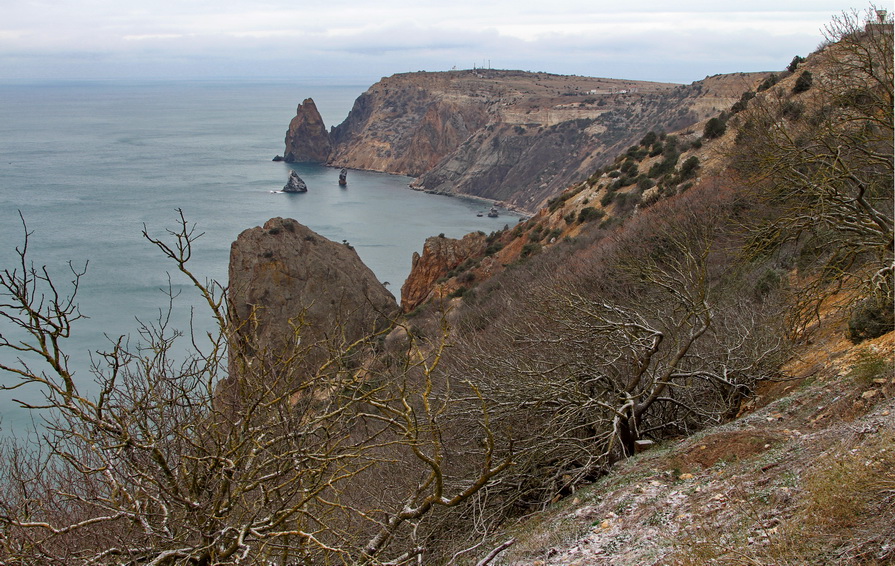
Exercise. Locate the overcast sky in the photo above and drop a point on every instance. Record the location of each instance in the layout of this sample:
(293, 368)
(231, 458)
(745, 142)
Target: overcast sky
(676, 41)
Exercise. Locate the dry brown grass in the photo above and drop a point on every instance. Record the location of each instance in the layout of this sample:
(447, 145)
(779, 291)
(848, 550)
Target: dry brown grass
(842, 512)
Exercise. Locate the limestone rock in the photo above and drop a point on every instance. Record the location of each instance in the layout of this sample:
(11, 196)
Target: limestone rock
(284, 276)
(509, 136)
(295, 184)
(440, 255)
(307, 140)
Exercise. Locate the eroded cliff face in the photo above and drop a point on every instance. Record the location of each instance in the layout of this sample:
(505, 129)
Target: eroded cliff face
(440, 256)
(514, 136)
(307, 140)
(293, 291)
(407, 126)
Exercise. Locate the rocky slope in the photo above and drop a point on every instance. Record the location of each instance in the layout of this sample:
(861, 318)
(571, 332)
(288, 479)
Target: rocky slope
(510, 136)
(652, 167)
(805, 475)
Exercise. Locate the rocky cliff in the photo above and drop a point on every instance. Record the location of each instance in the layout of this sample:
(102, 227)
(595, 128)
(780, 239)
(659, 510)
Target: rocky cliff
(512, 136)
(292, 288)
(307, 139)
(441, 257)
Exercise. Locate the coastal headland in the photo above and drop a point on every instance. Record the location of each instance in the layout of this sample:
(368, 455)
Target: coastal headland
(515, 137)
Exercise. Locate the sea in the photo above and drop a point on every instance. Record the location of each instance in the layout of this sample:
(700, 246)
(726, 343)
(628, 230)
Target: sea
(86, 167)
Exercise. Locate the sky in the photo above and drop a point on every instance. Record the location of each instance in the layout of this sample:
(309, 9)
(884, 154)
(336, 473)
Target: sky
(352, 40)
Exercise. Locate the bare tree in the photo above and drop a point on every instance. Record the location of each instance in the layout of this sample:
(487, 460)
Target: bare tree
(653, 335)
(177, 462)
(823, 158)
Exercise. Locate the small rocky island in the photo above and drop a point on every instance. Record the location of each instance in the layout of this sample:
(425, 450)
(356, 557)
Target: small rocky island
(295, 184)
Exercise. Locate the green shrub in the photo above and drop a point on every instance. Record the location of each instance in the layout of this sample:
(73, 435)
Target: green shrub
(649, 139)
(768, 82)
(689, 168)
(662, 167)
(530, 249)
(792, 110)
(493, 248)
(466, 277)
(793, 65)
(459, 292)
(803, 83)
(590, 213)
(535, 235)
(872, 317)
(770, 281)
(741, 104)
(629, 167)
(714, 128)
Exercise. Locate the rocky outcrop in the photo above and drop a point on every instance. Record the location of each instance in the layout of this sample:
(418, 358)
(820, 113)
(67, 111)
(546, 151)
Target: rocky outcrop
(440, 257)
(513, 136)
(292, 290)
(307, 140)
(295, 184)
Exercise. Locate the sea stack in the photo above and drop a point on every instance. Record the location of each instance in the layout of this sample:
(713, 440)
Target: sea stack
(307, 140)
(295, 184)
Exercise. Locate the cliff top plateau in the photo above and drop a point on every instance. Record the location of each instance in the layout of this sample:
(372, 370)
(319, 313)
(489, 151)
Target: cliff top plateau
(510, 136)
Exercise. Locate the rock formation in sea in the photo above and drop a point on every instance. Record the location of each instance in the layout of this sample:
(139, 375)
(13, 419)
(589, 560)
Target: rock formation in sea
(510, 136)
(307, 140)
(292, 289)
(295, 184)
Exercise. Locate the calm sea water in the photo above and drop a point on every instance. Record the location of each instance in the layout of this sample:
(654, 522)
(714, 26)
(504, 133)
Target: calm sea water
(89, 164)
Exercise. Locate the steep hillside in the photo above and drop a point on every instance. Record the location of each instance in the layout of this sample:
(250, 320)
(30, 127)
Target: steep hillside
(685, 358)
(806, 475)
(769, 224)
(512, 136)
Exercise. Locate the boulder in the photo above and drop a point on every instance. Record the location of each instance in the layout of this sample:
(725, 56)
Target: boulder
(294, 293)
(295, 184)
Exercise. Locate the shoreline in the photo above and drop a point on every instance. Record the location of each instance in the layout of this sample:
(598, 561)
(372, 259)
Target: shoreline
(523, 213)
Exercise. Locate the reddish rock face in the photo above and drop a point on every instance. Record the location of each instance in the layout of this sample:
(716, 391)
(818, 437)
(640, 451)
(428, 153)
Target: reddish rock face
(440, 255)
(307, 140)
